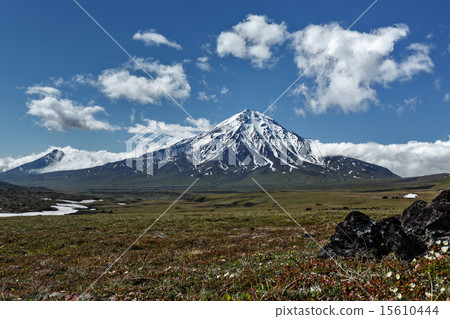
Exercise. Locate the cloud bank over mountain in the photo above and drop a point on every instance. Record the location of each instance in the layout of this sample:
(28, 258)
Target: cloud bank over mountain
(406, 160)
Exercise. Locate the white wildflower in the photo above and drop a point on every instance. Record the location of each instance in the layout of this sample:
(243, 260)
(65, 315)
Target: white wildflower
(315, 289)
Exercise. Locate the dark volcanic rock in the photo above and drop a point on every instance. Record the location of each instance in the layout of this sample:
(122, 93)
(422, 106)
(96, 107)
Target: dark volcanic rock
(360, 236)
(352, 235)
(429, 222)
(443, 197)
(410, 236)
(394, 239)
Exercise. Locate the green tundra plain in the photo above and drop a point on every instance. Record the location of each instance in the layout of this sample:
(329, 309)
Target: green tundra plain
(213, 246)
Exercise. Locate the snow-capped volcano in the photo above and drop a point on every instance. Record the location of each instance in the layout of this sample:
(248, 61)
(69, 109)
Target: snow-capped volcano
(248, 140)
(256, 137)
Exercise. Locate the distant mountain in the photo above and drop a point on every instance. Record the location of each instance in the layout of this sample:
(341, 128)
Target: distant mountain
(352, 168)
(34, 167)
(248, 144)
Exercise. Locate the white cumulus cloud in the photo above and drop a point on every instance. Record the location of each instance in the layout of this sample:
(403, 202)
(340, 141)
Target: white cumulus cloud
(43, 90)
(152, 38)
(406, 160)
(202, 63)
(301, 112)
(202, 96)
(172, 133)
(252, 39)
(201, 124)
(408, 105)
(56, 113)
(120, 83)
(345, 76)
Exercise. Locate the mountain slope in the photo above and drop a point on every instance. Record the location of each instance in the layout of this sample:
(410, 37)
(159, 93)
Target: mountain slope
(35, 166)
(5, 186)
(352, 168)
(445, 184)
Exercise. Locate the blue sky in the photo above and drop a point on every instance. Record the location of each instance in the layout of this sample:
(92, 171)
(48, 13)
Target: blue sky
(65, 83)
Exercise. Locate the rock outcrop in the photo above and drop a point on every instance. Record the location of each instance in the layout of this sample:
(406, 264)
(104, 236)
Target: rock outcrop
(412, 235)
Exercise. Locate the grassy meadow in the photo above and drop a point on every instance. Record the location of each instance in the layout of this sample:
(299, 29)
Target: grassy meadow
(210, 246)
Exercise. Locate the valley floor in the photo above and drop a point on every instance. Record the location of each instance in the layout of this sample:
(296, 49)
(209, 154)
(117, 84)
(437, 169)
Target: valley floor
(210, 246)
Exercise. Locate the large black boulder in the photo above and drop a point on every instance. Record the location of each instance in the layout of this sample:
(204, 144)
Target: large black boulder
(429, 221)
(410, 236)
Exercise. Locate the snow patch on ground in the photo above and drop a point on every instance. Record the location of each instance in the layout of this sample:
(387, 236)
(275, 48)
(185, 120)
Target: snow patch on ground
(65, 208)
(86, 201)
